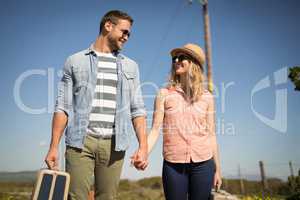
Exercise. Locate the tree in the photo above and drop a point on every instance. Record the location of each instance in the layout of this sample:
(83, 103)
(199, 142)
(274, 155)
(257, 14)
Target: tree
(294, 76)
(294, 184)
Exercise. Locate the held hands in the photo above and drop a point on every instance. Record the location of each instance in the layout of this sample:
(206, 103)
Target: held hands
(52, 159)
(140, 159)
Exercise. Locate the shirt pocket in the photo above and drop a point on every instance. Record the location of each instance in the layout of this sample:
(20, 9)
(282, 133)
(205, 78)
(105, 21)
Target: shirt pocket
(80, 77)
(200, 109)
(173, 105)
(128, 74)
(80, 87)
(82, 90)
(127, 78)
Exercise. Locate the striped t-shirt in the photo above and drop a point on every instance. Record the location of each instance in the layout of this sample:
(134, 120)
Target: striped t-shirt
(102, 116)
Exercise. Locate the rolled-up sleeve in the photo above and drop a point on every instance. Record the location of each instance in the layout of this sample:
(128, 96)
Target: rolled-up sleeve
(64, 93)
(137, 107)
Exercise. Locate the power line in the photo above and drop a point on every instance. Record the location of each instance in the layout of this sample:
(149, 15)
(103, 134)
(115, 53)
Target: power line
(164, 37)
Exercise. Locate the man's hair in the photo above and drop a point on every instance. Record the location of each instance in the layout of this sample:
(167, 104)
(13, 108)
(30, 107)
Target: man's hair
(113, 16)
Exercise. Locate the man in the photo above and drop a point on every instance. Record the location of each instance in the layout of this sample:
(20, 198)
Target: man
(99, 99)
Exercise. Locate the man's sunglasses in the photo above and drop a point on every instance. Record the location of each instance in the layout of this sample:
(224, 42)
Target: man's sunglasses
(126, 32)
(180, 58)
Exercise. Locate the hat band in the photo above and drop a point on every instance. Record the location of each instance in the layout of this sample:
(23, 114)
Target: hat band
(194, 55)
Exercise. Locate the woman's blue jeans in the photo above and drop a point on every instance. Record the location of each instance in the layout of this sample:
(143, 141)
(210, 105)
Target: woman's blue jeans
(192, 181)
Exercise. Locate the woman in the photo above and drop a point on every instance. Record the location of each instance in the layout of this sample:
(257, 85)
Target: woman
(186, 110)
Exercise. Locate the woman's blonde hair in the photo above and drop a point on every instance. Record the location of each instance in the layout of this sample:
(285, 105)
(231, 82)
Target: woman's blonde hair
(195, 81)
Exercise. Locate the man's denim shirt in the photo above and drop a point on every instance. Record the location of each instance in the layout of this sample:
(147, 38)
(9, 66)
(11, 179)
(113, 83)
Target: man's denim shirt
(76, 92)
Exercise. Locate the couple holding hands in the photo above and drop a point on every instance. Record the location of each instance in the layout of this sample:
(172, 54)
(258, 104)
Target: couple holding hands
(99, 101)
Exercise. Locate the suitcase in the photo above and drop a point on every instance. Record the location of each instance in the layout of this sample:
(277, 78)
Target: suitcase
(51, 185)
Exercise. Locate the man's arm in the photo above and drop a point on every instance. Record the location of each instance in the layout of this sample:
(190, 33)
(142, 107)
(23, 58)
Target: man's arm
(158, 116)
(59, 123)
(138, 115)
(60, 117)
(141, 156)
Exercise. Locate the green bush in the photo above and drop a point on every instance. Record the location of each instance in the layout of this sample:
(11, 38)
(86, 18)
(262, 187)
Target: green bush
(295, 196)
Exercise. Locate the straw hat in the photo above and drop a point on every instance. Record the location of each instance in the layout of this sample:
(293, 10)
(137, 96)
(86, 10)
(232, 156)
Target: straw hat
(192, 50)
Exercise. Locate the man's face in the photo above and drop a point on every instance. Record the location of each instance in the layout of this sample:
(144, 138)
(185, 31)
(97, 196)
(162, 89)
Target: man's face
(119, 34)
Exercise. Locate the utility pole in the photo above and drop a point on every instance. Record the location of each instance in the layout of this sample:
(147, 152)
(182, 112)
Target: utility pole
(207, 40)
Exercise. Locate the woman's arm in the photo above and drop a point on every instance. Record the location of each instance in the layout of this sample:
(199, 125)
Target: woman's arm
(215, 148)
(158, 116)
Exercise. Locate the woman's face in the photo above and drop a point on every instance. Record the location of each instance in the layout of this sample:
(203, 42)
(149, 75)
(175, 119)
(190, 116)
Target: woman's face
(181, 64)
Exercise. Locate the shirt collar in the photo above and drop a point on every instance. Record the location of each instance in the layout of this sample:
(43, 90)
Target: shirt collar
(91, 51)
(178, 89)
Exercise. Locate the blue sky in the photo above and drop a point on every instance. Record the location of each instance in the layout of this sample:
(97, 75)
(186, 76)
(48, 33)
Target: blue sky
(251, 39)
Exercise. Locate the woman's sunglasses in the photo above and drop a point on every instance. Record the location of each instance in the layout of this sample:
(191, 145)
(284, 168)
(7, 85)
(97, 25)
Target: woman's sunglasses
(180, 58)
